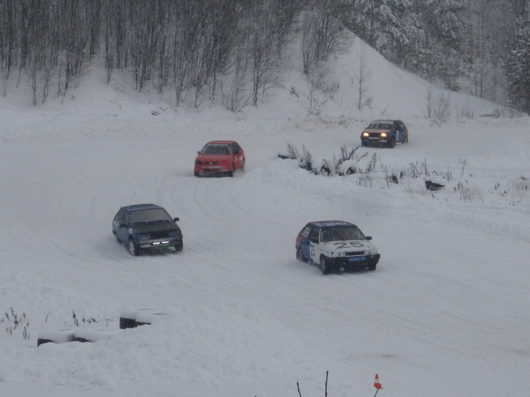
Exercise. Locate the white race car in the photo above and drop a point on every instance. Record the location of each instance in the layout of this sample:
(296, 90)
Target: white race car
(336, 246)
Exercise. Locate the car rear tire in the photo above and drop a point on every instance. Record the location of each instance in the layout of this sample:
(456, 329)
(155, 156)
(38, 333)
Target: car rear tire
(300, 255)
(133, 248)
(324, 267)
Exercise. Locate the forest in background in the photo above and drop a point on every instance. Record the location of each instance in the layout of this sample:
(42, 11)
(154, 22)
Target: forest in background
(231, 50)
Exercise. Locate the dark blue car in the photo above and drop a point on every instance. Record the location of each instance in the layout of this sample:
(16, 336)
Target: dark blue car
(385, 133)
(146, 227)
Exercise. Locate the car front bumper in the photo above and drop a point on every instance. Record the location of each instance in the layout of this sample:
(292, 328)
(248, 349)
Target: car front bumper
(353, 263)
(158, 243)
(376, 140)
(211, 170)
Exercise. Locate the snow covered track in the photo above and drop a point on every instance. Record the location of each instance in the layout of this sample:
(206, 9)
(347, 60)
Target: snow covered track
(447, 303)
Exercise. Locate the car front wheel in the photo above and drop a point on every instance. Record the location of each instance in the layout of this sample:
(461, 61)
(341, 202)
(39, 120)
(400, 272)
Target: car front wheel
(178, 246)
(324, 266)
(133, 248)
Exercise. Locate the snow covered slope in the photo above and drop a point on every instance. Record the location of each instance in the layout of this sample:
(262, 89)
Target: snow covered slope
(445, 314)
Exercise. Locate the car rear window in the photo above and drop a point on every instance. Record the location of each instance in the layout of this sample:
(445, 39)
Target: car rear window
(150, 215)
(215, 149)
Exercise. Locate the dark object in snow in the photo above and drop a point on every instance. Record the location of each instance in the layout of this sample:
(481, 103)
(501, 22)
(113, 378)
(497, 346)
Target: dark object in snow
(57, 336)
(433, 186)
(74, 335)
(155, 112)
(93, 335)
(148, 318)
(284, 156)
(135, 318)
(126, 322)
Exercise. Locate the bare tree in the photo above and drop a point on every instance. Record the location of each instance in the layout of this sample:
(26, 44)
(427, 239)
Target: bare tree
(362, 81)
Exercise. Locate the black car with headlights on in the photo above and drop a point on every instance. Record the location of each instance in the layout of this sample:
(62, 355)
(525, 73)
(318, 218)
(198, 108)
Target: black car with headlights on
(146, 227)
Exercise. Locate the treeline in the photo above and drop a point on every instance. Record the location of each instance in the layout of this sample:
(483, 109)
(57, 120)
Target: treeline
(47, 40)
(183, 45)
(231, 50)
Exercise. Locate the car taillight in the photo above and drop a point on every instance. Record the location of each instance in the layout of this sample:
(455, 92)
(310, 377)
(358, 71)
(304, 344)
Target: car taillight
(197, 162)
(298, 239)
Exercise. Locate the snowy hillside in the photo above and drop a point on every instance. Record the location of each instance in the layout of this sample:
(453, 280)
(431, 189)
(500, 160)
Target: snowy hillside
(444, 314)
(387, 91)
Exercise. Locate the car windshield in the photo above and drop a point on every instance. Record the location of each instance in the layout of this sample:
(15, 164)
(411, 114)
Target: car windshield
(339, 233)
(150, 215)
(215, 149)
(379, 126)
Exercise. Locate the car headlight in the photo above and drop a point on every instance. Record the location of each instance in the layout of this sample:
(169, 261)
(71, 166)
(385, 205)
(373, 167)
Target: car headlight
(383, 135)
(371, 251)
(365, 134)
(197, 162)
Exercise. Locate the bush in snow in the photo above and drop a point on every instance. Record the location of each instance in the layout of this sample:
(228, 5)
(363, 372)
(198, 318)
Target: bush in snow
(14, 322)
(417, 178)
(306, 160)
(346, 163)
(515, 190)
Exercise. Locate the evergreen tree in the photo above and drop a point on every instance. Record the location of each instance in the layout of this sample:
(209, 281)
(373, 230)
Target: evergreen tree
(518, 67)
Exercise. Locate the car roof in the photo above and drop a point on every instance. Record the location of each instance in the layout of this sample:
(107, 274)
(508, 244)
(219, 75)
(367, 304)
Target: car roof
(141, 207)
(221, 142)
(330, 223)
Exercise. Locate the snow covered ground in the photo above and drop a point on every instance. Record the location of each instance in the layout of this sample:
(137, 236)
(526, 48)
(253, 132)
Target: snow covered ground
(445, 314)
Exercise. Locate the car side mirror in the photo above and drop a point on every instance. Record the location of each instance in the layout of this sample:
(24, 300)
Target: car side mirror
(368, 237)
(176, 219)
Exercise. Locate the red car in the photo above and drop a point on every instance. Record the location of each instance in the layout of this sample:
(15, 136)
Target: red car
(218, 158)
